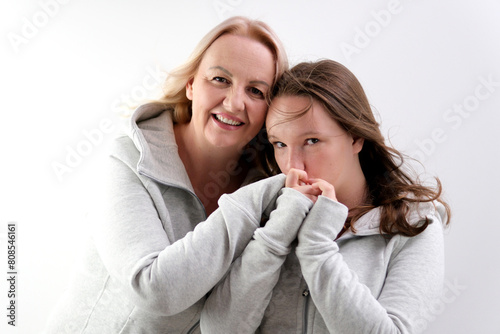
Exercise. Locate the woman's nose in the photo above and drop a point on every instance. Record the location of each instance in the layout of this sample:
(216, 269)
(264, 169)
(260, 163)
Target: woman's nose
(235, 100)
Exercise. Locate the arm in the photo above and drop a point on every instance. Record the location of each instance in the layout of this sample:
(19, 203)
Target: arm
(414, 277)
(166, 278)
(238, 302)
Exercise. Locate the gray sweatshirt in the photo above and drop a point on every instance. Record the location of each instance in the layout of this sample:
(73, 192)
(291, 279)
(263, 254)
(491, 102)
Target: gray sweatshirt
(360, 283)
(154, 255)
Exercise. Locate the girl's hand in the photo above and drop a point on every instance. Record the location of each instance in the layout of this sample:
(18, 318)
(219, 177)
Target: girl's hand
(298, 180)
(325, 188)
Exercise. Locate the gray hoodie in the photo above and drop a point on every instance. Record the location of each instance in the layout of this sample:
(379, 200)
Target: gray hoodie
(359, 283)
(153, 257)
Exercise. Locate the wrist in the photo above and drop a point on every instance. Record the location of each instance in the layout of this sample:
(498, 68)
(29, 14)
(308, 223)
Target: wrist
(324, 221)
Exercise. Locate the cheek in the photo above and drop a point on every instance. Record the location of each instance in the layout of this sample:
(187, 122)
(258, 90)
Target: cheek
(323, 165)
(257, 113)
(207, 97)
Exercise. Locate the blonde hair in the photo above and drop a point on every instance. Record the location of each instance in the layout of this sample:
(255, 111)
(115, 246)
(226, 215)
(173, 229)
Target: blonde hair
(174, 91)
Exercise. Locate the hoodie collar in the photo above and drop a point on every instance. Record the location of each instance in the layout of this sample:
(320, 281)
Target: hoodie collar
(152, 131)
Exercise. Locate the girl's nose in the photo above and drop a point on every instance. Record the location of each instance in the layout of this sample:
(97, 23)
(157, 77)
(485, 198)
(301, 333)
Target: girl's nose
(295, 160)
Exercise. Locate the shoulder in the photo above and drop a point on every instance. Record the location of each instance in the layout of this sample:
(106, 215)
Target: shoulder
(123, 148)
(431, 239)
(431, 212)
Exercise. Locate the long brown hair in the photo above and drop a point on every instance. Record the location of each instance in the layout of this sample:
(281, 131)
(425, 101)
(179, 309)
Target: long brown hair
(390, 187)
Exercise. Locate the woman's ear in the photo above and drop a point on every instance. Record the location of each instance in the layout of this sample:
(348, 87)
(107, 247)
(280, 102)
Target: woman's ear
(189, 89)
(357, 144)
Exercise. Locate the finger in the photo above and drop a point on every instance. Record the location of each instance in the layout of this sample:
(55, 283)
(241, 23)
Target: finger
(296, 177)
(308, 190)
(326, 188)
(312, 198)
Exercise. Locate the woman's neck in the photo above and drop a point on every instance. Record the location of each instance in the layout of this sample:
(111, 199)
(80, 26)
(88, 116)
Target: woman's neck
(212, 170)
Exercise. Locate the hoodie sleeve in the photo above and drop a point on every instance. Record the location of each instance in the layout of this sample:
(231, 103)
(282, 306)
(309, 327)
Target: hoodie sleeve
(238, 302)
(162, 277)
(413, 280)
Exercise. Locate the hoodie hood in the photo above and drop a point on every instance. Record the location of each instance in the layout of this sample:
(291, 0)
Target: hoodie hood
(369, 223)
(152, 131)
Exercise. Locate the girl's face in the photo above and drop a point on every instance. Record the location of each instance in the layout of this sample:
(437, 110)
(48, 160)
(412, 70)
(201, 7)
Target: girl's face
(228, 91)
(315, 142)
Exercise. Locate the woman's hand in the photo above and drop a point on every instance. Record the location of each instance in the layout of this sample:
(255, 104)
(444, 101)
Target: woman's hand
(311, 188)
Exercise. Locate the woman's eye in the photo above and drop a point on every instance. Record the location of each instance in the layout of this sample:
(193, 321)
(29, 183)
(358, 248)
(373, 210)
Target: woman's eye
(279, 144)
(257, 92)
(312, 141)
(220, 79)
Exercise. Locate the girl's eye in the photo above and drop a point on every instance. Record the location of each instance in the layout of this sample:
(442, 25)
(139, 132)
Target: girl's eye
(256, 92)
(312, 141)
(279, 144)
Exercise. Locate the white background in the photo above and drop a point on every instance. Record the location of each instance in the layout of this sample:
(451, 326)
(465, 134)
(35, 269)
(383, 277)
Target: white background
(65, 69)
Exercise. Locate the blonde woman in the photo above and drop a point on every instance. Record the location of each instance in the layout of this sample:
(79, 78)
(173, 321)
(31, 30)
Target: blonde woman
(146, 270)
(354, 244)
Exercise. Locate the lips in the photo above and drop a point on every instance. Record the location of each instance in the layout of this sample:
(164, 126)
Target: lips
(228, 121)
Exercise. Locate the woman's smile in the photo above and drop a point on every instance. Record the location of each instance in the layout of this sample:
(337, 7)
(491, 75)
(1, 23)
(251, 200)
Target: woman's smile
(224, 121)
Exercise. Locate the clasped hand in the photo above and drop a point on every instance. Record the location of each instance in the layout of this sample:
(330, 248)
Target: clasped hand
(311, 187)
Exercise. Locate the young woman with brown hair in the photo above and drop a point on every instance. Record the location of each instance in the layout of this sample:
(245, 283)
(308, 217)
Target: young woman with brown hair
(357, 247)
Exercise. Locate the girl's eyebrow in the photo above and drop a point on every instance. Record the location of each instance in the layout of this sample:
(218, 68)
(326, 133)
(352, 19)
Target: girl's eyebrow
(308, 134)
(300, 135)
(269, 137)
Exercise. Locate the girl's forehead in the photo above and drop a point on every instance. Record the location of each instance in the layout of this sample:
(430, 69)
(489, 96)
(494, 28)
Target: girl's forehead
(288, 118)
(288, 107)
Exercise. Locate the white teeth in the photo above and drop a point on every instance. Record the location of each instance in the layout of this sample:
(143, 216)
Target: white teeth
(226, 120)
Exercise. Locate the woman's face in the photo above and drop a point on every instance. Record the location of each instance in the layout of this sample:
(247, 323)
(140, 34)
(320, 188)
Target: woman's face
(228, 91)
(315, 142)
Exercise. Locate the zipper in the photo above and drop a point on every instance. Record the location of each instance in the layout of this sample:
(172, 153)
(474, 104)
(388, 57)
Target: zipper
(305, 293)
(196, 325)
(168, 184)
